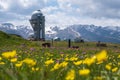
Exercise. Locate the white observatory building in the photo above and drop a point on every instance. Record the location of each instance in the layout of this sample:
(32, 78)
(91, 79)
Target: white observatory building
(37, 22)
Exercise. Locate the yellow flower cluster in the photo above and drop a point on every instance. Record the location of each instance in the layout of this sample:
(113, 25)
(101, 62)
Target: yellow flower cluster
(70, 75)
(102, 56)
(115, 69)
(70, 63)
(73, 59)
(12, 57)
(109, 67)
(99, 57)
(61, 65)
(29, 61)
(89, 61)
(10, 54)
(48, 62)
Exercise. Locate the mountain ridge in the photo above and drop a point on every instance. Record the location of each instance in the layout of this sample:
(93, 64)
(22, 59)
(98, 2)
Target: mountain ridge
(87, 32)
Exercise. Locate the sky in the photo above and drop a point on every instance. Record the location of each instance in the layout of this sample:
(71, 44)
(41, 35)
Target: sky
(62, 12)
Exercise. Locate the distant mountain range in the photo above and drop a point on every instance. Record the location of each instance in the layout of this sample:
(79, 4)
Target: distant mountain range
(98, 33)
(23, 31)
(87, 32)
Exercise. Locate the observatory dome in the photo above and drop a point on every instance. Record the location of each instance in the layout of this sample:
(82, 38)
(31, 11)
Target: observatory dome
(35, 14)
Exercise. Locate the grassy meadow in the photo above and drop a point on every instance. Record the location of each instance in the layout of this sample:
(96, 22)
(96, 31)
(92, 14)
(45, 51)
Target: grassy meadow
(28, 60)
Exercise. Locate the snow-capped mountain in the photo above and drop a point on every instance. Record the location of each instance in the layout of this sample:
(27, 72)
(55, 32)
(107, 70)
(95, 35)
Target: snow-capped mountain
(67, 33)
(24, 31)
(98, 33)
(87, 32)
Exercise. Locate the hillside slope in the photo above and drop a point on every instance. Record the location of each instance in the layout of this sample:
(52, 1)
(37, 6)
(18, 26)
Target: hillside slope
(7, 39)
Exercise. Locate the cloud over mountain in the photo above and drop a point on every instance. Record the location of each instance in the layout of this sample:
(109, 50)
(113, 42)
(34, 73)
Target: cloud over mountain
(62, 12)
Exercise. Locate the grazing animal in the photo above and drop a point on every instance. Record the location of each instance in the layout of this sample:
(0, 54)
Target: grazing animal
(99, 44)
(75, 47)
(46, 45)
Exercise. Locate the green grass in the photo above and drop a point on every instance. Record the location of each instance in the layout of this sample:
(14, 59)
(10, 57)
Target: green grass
(10, 39)
(45, 60)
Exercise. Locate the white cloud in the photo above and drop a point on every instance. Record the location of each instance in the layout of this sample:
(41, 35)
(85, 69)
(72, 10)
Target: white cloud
(63, 12)
(4, 4)
(49, 10)
(31, 3)
(21, 6)
(18, 10)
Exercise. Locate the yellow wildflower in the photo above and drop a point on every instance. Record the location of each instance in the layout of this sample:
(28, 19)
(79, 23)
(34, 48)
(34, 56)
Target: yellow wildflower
(2, 63)
(73, 58)
(78, 62)
(118, 63)
(92, 60)
(86, 61)
(108, 67)
(66, 59)
(29, 61)
(62, 55)
(101, 56)
(70, 75)
(89, 61)
(19, 64)
(13, 59)
(99, 62)
(84, 72)
(63, 64)
(35, 69)
(98, 78)
(48, 62)
(10, 54)
(56, 66)
(115, 69)
(118, 56)
(0, 58)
